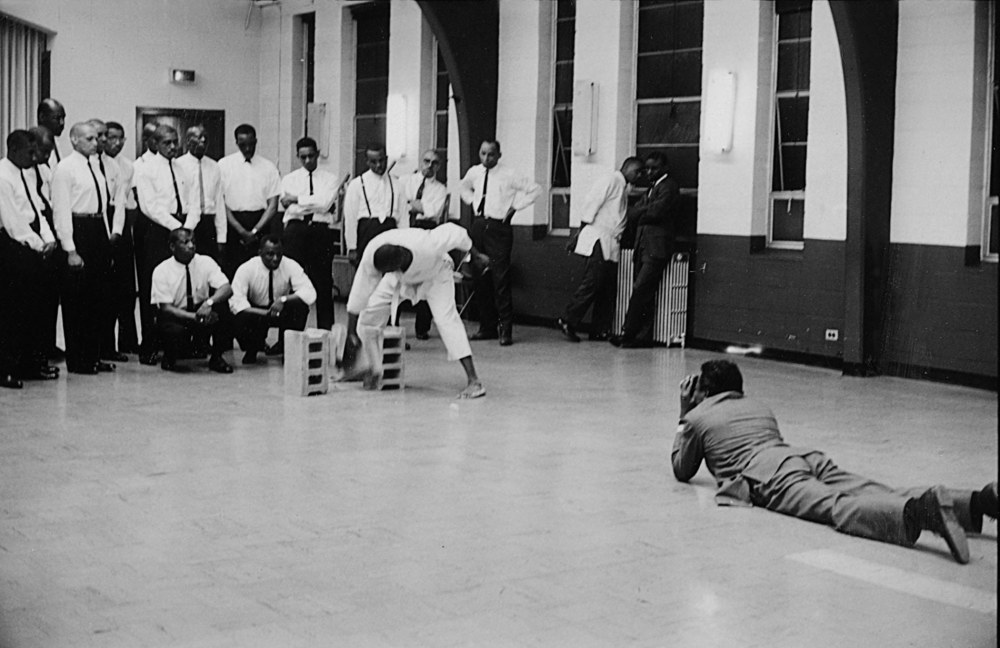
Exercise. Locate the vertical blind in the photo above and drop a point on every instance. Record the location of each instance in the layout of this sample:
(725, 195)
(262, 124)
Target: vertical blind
(21, 49)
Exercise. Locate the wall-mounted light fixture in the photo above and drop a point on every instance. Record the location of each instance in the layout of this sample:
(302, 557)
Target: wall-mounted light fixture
(585, 116)
(182, 77)
(395, 126)
(720, 111)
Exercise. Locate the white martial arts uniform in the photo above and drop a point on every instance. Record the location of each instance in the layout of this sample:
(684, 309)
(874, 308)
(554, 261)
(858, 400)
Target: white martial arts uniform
(430, 277)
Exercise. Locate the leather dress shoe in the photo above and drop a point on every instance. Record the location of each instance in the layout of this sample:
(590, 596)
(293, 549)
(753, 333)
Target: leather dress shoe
(85, 370)
(8, 381)
(938, 516)
(218, 365)
(616, 340)
(168, 364)
(567, 330)
(116, 356)
(482, 334)
(423, 336)
(599, 337)
(636, 344)
(39, 373)
(150, 358)
(106, 367)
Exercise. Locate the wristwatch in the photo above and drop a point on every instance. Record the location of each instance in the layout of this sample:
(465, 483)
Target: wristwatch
(283, 299)
(210, 302)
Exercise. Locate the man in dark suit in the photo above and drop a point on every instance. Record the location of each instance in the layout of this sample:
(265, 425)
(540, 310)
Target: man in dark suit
(654, 217)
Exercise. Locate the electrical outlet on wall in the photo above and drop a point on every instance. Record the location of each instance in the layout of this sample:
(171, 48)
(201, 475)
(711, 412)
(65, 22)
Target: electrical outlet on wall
(832, 335)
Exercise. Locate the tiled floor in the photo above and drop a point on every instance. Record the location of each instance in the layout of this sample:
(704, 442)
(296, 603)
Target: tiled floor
(148, 509)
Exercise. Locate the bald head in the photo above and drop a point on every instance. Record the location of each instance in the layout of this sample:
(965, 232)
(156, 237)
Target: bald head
(83, 136)
(102, 133)
(148, 130)
(52, 115)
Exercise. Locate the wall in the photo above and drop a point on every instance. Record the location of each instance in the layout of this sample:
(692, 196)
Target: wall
(108, 58)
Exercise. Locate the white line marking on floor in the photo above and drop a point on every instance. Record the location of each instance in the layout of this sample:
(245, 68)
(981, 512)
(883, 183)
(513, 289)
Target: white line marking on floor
(892, 578)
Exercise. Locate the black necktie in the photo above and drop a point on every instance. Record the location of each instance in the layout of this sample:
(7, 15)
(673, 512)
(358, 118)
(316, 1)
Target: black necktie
(97, 186)
(107, 189)
(307, 218)
(35, 224)
(177, 194)
(46, 207)
(420, 189)
(482, 203)
(310, 183)
(58, 157)
(270, 288)
(190, 291)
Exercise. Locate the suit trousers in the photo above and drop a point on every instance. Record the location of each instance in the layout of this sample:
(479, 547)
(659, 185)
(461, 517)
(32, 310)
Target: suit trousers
(648, 273)
(494, 238)
(86, 293)
(176, 335)
(597, 287)
(206, 240)
(237, 252)
(156, 250)
(24, 340)
(312, 246)
(251, 329)
(123, 294)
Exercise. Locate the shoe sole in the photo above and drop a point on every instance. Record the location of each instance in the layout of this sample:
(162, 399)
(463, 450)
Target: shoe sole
(949, 527)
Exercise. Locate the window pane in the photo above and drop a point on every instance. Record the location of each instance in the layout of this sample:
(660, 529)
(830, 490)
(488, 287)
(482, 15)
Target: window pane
(786, 219)
(675, 123)
(441, 131)
(683, 162)
(442, 173)
(564, 40)
(441, 102)
(564, 83)
(559, 213)
(373, 23)
(369, 130)
(795, 25)
(562, 133)
(371, 96)
(566, 9)
(789, 168)
(793, 116)
(670, 27)
(793, 66)
(994, 228)
(669, 75)
(373, 61)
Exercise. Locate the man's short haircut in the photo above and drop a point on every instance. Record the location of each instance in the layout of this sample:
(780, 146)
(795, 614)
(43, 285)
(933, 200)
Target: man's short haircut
(113, 125)
(273, 239)
(660, 157)
(95, 122)
(306, 141)
(162, 130)
(175, 235)
(41, 133)
(375, 147)
(245, 129)
(388, 257)
(632, 160)
(719, 376)
(192, 128)
(148, 129)
(491, 142)
(19, 140)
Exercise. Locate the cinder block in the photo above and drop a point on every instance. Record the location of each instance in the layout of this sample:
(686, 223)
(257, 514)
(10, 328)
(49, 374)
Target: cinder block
(391, 358)
(307, 362)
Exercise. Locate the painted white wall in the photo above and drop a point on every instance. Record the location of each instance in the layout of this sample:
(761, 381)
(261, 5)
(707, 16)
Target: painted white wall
(934, 115)
(409, 62)
(525, 96)
(110, 57)
(611, 68)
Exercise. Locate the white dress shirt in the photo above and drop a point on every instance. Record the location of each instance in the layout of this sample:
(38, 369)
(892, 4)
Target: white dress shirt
(170, 281)
(252, 279)
(157, 197)
(74, 192)
(603, 216)
(372, 196)
(19, 208)
(117, 186)
(205, 180)
(432, 199)
(504, 189)
(318, 202)
(247, 186)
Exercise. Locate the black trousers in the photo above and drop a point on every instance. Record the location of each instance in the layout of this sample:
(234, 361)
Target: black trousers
(422, 308)
(24, 340)
(50, 287)
(648, 272)
(123, 294)
(238, 253)
(177, 335)
(206, 240)
(156, 250)
(312, 246)
(597, 288)
(251, 329)
(86, 294)
(493, 290)
(369, 228)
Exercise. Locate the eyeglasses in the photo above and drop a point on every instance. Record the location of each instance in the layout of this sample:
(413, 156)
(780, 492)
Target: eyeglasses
(426, 161)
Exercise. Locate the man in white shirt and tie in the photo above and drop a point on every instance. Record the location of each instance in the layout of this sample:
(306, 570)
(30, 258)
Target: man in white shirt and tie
(307, 198)
(26, 247)
(164, 199)
(207, 215)
(192, 294)
(79, 205)
(122, 241)
(603, 216)
(250, 188)
(496, 193)
(425, 199)
(269, 290)
(52, 116)
(372, 204)
(49, 282)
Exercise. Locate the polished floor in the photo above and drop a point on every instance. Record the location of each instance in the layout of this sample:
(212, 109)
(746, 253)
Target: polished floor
(148, 509)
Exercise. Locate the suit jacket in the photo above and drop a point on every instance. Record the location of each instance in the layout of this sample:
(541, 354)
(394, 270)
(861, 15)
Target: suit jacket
(654, 217)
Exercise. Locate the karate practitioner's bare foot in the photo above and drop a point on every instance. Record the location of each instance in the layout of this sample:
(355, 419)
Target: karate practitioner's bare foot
(474, 389)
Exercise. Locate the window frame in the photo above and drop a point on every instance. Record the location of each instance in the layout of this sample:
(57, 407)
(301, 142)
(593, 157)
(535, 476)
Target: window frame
(992, 109)
(559, 193)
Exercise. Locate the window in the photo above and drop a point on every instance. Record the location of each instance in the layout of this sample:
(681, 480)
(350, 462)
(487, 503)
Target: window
(442, 98)
(668, 88)
(562, 115)
(791, 122)
(22, 74)
(371, 88)
(991, 228)
(307, 36)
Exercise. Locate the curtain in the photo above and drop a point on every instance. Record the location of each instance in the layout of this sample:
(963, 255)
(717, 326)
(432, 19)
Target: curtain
(21, 49)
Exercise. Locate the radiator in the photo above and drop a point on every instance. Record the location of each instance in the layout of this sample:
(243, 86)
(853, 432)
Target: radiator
(670, 320)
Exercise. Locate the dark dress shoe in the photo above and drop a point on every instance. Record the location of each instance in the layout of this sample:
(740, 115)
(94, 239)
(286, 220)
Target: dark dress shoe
(567, 330)
(636, 344)
(484, 335)
(10, 382)
(599, 337)
(218, 365)
(423, 336)
(506, 340)
(168, 364)
(38, 373)
(105, 367)
(115, 357)
(85, 370)
(151, 358)
(616, 340)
